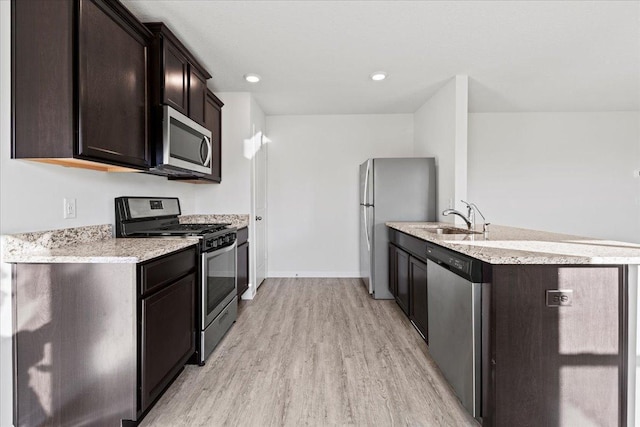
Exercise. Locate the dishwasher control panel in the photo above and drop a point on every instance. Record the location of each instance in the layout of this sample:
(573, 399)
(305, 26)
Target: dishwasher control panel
(467, 267)
(459, 264)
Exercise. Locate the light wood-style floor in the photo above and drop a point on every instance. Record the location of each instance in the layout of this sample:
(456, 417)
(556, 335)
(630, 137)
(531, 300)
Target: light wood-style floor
(314, 352)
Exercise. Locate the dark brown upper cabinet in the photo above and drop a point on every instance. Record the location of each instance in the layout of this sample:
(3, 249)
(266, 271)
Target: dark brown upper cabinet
(213, 122)
(197, 95)
(80, 84)
(174, 80)
(178, 79)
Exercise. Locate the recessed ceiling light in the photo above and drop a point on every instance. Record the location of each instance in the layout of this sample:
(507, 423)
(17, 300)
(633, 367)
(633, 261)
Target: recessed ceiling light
(252, 78)
(378, 76)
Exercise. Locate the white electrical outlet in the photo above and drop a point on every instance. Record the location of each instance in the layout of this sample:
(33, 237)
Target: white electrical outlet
(69, 208)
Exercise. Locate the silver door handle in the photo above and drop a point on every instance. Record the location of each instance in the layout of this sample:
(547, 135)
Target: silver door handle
(366, 229)
(366, 185)
(207, 140)
(258, 218)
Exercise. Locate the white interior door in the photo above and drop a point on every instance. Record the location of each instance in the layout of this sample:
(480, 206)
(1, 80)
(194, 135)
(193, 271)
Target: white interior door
(260, 207)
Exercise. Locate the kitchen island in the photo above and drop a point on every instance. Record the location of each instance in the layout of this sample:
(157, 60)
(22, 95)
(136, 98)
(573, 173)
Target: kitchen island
(553, 341)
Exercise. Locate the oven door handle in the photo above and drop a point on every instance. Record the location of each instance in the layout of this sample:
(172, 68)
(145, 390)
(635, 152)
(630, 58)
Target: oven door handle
(220, 251)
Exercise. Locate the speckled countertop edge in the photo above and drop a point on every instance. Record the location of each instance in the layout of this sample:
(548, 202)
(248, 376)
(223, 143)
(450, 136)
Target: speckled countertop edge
(90, 244)
(236, 220)
(511, 245)
(96, 244)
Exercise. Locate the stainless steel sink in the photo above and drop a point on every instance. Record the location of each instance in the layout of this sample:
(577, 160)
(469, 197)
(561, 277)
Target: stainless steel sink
(450, 230)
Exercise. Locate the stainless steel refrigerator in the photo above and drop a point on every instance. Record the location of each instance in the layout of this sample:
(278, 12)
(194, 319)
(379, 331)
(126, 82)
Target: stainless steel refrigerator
(391, 189)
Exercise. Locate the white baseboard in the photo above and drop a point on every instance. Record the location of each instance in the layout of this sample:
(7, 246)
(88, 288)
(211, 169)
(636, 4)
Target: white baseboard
(317, 274)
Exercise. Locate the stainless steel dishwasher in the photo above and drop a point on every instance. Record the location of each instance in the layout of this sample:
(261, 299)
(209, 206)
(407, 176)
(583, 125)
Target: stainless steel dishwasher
(454, 284)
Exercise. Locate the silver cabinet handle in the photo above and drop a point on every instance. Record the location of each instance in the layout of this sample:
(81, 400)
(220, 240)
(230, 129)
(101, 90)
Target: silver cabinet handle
(258, 218)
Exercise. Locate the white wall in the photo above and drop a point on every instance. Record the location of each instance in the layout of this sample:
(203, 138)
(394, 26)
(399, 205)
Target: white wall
(313, 187)
(441, 132)
(564, 172)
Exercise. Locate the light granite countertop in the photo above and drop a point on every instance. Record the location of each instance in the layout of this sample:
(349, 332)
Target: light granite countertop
(510, 245)
(96, 244)
(235, 220)
(90, 244)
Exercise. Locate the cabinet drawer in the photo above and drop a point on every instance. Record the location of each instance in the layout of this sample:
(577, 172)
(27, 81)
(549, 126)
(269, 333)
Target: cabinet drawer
(413, 245)
(167, 269)
(243, 235)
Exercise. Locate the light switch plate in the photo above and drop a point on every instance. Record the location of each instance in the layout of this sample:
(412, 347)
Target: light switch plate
(69, 208)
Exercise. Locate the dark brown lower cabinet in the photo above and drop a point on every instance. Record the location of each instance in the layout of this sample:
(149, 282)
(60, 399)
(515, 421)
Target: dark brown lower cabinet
(418, 299)
(401, 279)
(393, 271)
(242, 266)
(408, 284)
(168, 338)
(166, 317)
(110, 338)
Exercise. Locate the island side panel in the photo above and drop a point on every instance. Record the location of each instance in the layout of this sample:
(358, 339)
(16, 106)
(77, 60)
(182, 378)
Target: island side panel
(559, 366)
(74, 344)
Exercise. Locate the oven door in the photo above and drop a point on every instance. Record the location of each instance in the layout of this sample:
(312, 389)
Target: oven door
(218, 282)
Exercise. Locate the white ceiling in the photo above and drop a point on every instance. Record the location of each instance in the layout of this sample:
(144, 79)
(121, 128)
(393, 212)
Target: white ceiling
(315, 57)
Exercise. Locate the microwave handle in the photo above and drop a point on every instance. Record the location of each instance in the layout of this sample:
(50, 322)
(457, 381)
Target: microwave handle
(207, 161)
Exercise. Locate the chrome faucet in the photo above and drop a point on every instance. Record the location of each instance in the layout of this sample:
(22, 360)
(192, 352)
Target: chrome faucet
(470, 218)
(469, 221)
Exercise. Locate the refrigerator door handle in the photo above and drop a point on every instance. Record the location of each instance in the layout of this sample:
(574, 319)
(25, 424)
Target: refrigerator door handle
(366, 188)
(366, 228)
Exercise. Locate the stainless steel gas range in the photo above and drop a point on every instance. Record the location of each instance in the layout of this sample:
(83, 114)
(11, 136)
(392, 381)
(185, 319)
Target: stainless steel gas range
(217, 301)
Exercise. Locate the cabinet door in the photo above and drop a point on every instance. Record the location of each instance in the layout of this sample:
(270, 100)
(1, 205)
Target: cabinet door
(176, 77)
(393, 271)
(213, 122)
(197, 95)
(243, 268)
(168, 336)
(402, 284)
(113, 87)
(418, 280)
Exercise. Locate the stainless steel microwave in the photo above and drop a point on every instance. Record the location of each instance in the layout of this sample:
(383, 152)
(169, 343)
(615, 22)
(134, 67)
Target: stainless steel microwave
(186, 145)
